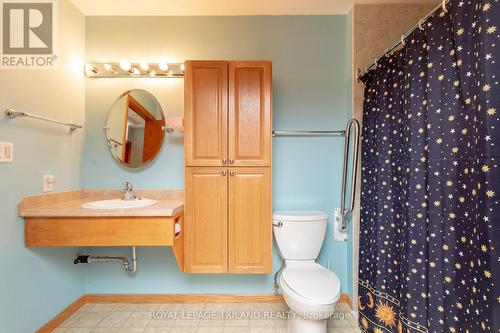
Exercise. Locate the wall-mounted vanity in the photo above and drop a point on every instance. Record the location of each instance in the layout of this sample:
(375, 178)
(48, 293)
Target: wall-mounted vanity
(60, 220)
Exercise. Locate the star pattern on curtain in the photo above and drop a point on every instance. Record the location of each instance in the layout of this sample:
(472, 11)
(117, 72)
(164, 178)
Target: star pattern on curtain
(430, 215)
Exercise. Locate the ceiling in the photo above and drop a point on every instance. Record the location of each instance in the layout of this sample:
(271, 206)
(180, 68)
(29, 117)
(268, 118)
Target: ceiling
(223, 7)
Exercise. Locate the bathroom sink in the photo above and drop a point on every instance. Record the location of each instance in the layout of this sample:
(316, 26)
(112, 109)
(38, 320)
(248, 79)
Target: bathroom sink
(118, 204)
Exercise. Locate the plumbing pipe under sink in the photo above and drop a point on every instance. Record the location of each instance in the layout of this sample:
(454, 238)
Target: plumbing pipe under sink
(130, 268)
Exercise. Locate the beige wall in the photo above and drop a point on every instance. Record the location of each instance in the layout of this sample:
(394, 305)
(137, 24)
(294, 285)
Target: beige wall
(375, 28)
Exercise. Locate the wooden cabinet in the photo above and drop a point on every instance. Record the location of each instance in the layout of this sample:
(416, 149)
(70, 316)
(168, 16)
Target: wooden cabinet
(250, 229)
(205, 113)
(228, 118)
(250, 113)
(228, 134)
(206, 222)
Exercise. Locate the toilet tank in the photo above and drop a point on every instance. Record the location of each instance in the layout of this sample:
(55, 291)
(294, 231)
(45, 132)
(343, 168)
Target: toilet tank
(299, 235)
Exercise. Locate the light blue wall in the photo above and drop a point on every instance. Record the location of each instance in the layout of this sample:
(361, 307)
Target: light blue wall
(310, 66)
(37, 283)
(349, 83)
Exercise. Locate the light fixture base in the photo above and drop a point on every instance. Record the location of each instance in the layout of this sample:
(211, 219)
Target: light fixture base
(113, 70)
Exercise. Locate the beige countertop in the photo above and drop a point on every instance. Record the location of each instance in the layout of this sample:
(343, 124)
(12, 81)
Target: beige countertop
(69, 204)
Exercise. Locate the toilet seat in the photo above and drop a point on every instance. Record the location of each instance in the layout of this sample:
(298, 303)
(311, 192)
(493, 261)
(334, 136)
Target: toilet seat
(312, 282)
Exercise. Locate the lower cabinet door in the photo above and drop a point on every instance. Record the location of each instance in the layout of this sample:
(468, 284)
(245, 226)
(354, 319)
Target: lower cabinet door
(250, 220)
(206, 220)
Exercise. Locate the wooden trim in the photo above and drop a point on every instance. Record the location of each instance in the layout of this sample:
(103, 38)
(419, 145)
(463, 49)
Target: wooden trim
(184, 298)
(193, 298)
(345, 298)
(63, 315)
(165, 298)
(138, 108)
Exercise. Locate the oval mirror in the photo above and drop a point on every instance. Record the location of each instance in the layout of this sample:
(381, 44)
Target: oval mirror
(136, 128)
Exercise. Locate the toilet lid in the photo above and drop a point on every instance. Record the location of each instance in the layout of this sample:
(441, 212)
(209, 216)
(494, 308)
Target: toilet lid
(313, 282)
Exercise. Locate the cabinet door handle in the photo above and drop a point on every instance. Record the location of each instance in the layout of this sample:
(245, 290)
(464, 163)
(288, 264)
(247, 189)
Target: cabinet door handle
(231, 161)
(224, 161)
(224, 172)
(231, 173)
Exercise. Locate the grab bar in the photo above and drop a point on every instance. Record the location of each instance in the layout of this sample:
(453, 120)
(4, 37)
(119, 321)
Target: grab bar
(308, 133)
(345, 215)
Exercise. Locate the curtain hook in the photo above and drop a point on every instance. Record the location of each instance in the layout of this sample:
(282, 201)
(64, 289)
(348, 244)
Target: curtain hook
(443, 4)
(376, 62)
(403, 40)
(385, 53)
(420, 24)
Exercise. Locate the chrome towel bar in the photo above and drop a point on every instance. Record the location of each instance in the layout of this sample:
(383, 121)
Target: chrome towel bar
(308, 133)
(12, 114)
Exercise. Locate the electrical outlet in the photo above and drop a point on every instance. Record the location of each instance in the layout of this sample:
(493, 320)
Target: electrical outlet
(6, 152)
(48, 183)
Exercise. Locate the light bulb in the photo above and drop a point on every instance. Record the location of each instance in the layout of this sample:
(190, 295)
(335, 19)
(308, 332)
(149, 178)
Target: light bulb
(163, 66)
(170, 72)
(108, 67)
(91, 68)
(182, 67)
(125, 65)
(145, 66)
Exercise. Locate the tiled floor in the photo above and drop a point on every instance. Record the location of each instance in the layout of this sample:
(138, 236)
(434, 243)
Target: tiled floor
(192, 318)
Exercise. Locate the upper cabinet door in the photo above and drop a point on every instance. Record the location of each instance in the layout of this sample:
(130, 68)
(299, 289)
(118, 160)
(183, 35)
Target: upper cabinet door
(205, 91)
(250, 113)
(250, 220)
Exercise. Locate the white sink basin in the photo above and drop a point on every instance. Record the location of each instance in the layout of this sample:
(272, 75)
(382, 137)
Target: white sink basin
(118, 204)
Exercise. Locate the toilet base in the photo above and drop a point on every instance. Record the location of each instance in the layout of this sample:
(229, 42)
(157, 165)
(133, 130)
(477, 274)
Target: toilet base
(301, 325)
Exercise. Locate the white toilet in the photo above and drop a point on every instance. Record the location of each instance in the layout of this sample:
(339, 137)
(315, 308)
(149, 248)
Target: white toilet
(310, 290)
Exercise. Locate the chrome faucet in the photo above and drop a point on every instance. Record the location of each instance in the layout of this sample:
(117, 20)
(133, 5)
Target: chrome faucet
(128, 192)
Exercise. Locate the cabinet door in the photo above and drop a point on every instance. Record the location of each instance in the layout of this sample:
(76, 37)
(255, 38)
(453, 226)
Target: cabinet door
(250, 220)
(206, 220)
(205, 113)
(250, 116)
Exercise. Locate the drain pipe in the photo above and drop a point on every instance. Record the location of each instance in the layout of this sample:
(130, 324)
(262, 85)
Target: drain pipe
(129, 268)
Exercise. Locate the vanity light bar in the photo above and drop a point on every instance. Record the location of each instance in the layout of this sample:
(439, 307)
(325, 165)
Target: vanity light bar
(124, 68)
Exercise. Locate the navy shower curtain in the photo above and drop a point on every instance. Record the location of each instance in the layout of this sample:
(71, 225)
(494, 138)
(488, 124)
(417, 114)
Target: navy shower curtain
(430, 215)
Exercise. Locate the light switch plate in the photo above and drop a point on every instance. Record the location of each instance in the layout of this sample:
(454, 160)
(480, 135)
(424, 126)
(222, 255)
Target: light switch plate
(340, 236)
(48, 183)
(6, 152)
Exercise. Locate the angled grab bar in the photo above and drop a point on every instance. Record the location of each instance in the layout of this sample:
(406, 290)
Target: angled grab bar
(346, 214)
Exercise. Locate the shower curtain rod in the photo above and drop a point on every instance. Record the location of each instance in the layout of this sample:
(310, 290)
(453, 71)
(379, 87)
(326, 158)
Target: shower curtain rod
(360, 73)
